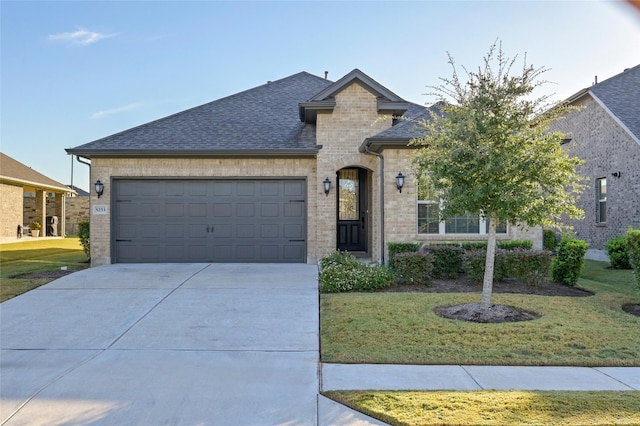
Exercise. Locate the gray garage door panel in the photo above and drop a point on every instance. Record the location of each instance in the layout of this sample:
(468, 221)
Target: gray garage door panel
(257, 220)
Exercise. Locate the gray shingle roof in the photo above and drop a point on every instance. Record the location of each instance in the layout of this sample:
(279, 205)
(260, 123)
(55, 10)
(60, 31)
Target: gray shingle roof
(259, 120)
(407, 129)
(621, 94)
(13, 171)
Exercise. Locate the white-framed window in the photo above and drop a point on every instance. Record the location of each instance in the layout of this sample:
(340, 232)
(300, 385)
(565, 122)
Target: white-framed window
(429, 206)
(601, 200)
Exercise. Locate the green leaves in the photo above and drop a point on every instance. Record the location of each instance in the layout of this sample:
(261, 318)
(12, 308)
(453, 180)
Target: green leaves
(491, 149)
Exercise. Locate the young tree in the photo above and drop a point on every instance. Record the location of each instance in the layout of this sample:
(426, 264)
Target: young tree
(491, 152)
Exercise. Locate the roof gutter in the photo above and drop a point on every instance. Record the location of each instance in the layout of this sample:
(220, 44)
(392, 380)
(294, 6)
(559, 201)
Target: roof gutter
(169, 153)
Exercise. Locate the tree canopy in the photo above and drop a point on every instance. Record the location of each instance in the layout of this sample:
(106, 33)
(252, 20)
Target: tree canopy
(491, 151)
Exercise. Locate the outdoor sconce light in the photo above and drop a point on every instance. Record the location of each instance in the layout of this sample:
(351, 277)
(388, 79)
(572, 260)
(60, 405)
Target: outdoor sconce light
(400, 181)
(99, 188)
(616, 174)
(327, 186)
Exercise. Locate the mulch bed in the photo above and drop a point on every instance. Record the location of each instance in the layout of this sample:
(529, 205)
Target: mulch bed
(474, 312)
(54, 274)
(463, 284)
(633, 309)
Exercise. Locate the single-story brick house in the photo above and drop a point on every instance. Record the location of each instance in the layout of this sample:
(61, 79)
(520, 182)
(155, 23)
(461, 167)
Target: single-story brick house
(285, 172)
(605, 132)
(18, 181)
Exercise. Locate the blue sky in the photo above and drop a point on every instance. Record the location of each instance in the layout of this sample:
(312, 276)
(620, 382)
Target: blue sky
(73, 72)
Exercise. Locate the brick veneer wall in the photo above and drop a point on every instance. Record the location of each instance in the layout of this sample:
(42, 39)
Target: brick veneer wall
(10, 209)
(606, 148)
(341, 132)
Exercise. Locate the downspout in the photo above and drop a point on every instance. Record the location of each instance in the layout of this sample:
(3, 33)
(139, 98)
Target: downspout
(81, 161)
(380, 156)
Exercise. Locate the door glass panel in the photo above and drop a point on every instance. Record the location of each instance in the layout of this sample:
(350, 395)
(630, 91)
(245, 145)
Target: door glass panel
(348, 194)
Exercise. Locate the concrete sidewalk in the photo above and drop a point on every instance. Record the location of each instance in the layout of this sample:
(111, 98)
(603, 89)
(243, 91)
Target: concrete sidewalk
(460, 378)
(477, 377)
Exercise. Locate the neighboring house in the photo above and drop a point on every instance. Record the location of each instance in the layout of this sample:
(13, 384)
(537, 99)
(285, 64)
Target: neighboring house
(605, 133)
(18, 181)
(79, 191)
(285, 172)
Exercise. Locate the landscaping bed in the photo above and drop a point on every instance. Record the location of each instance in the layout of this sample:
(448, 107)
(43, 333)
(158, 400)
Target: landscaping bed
(463, 284)
(583, 325)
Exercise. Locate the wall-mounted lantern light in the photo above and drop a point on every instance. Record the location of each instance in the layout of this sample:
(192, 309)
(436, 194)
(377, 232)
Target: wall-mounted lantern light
(616, 174)
(327, 186)
(400, 181)
(99, 188)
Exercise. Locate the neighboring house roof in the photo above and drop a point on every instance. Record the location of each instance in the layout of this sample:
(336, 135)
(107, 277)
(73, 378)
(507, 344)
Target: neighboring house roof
(81, 192)
(259, 121)
(275, 119)
(16, 173)
(620, 96)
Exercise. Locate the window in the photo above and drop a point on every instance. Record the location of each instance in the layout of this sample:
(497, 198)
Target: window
(601, 200)
(428, 209)
(429, 216)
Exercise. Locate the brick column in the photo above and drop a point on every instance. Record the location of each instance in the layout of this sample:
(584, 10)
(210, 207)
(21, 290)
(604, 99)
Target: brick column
(41, 210)
(61, 213)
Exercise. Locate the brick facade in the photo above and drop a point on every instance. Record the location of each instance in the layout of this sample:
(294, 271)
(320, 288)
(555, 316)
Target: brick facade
(606, 148)
(10, 211)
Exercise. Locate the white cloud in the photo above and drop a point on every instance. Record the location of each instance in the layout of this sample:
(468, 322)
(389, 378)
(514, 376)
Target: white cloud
(102, 114)
(80, 36)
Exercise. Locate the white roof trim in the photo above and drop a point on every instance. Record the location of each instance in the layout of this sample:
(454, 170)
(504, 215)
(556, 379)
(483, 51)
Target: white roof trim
(36, 185)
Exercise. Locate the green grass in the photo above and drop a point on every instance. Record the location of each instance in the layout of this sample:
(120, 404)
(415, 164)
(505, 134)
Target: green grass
(496, 407)
(36, 256)
(401, 328)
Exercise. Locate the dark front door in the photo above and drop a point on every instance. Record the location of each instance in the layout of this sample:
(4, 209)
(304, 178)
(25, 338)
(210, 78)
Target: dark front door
(352, 202)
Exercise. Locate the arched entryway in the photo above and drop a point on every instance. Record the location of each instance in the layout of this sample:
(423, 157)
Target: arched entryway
(353, 217)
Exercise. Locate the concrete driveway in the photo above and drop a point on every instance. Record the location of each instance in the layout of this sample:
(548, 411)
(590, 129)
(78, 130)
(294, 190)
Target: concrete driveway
(178, 344)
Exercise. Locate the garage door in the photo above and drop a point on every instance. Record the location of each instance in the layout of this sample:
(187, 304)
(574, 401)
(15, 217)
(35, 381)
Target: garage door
(252, 220)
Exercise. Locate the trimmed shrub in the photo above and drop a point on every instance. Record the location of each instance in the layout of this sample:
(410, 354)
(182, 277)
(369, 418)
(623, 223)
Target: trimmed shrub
(502, 244)
(474, 245)
(341, 271)
(447, 259)
(515, 244)
(633, 251)
(568, 263)
(529, 266)
(84, 236)
(473, 262)
(413, 268)
(397, 248)
(549, 239)
(617, 251)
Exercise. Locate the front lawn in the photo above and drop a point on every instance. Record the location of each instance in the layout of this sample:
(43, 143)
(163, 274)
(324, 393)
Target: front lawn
(40, 256)
(401, 328)
(496, 407)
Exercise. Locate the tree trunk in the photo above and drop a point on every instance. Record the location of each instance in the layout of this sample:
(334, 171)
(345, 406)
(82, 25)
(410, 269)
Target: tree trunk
(487, 284)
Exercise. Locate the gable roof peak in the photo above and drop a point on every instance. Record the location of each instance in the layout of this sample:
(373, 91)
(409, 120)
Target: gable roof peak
(388, 102)
(356, 75)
